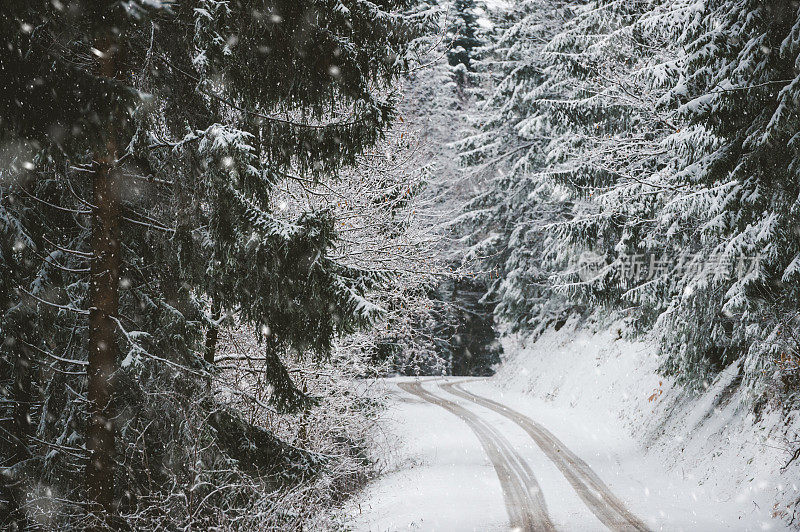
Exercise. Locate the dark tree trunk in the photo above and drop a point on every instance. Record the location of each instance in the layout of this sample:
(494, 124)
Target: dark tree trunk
(213, 332)
(104, 298)
(102, 338)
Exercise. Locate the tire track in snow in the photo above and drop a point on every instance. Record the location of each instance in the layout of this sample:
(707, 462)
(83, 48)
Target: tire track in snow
(523, 497)
(608, 508)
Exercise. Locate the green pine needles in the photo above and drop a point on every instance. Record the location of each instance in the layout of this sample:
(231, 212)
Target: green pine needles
(142, 143)
(656, 137)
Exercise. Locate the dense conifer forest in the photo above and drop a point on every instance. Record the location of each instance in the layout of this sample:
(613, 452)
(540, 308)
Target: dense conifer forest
(222, 220)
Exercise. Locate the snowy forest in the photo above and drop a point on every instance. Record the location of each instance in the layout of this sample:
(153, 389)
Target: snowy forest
(227, 224)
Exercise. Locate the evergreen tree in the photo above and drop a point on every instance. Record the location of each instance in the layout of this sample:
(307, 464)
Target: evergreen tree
(463, 31)
(740, 86)
(469, 340)
(164, 127)
(457, 329)
(513, 198)
(646, 129)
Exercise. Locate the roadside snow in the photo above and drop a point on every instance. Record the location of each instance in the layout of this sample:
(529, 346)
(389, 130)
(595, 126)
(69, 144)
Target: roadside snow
(681, 461)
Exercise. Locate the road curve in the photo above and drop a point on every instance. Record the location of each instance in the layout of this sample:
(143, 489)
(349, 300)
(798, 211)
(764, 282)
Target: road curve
(608, 508)
(523, 496)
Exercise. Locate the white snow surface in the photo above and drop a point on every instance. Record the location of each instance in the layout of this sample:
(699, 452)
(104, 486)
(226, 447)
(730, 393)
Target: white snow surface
(438, 477)
(678, 460)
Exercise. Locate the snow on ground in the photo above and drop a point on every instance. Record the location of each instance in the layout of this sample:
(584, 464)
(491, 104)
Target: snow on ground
(437, 476)
(678, 461)
(682, 461)
(440, 479)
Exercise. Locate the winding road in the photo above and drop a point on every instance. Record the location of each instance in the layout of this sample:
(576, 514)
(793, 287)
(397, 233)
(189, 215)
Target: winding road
(523, 496)
(608, 508)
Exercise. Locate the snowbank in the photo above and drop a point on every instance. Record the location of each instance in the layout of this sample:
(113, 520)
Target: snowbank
(687, 447)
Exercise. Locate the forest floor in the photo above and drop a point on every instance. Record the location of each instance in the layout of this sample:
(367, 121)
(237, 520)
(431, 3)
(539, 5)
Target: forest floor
(573, 447)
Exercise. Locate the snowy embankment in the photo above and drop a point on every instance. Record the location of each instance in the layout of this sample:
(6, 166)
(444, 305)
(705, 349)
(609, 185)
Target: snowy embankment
(681, 460)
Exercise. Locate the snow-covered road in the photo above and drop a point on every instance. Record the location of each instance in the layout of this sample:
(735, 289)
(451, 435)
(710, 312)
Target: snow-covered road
(606, 506)
(522, 494)
(470, 459)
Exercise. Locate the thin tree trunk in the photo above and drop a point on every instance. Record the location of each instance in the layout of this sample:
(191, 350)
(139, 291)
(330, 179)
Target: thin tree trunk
(102, 339)
(213, 332)
(103, 304)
